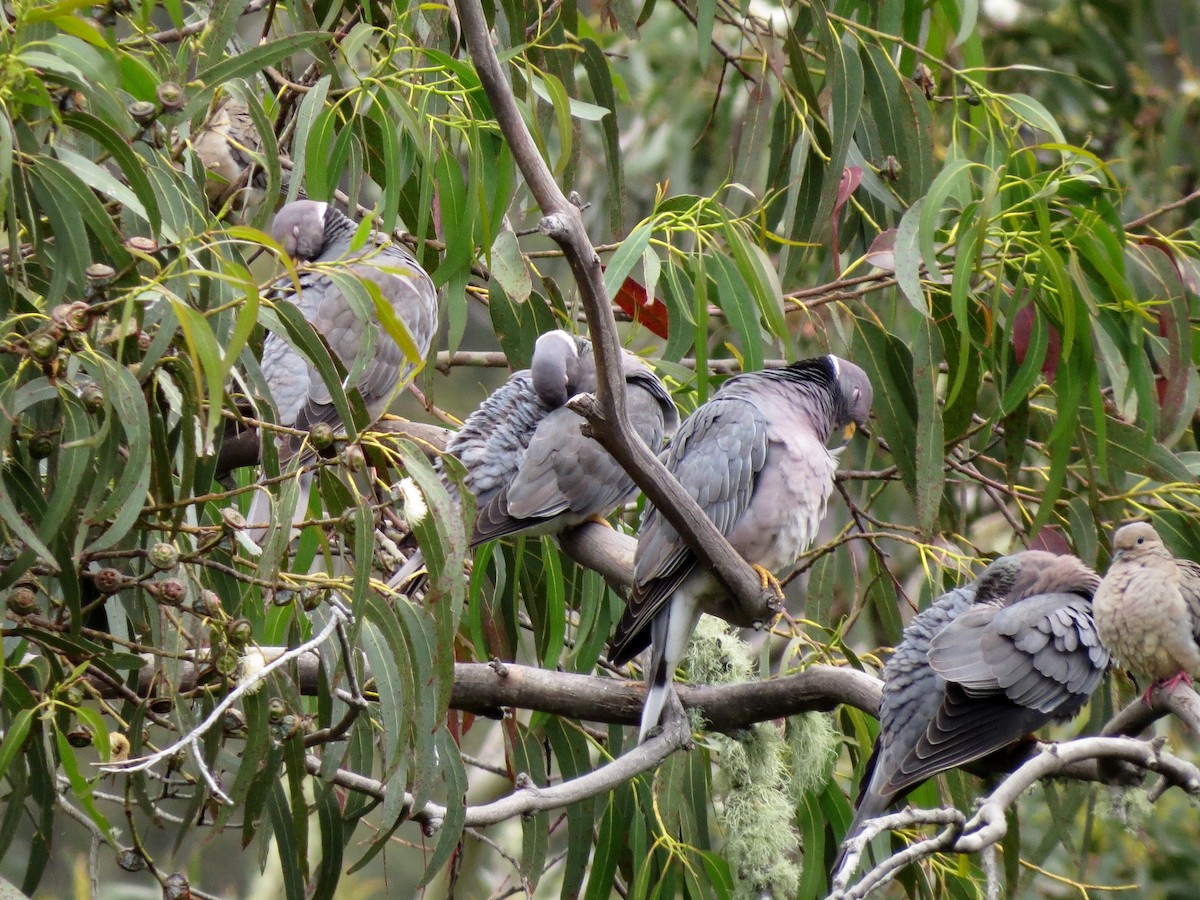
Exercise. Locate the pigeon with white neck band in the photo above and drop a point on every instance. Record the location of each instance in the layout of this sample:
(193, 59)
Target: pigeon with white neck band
(315, 233)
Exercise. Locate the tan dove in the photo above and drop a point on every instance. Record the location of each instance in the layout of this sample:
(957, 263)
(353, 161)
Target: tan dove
(1147, 608)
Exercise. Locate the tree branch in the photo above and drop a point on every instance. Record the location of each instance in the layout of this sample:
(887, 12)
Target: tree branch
(490, 688)
(988, 826)
(528, 797)
(610, 424)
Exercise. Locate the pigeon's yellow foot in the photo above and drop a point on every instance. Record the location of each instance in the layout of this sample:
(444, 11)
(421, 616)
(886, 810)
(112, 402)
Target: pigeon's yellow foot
(600, 520)
(769, 581)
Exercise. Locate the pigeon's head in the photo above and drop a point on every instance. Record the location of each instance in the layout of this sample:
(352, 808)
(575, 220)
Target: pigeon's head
(1135, 539)
(1028, 573)
(299, 227)
(852, 395)
(998, 579)
(555, 367)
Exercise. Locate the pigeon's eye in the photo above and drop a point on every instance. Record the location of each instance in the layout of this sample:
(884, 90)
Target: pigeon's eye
(1141, 540)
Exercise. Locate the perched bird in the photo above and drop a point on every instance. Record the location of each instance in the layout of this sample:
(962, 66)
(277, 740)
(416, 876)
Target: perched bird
(982, 667)
(229, 145)
(754, 458)
(1148, 608)
(529, 465)
(313, 232)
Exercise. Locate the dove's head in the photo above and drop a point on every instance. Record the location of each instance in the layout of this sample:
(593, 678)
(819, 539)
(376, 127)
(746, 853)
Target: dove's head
(1135, 539)
(299, 227)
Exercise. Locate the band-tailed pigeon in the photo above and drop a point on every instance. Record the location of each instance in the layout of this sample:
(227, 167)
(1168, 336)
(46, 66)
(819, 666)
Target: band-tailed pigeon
(313, 232)
(982, 667)
(754, 457)
(1148, 608)
(529, 465)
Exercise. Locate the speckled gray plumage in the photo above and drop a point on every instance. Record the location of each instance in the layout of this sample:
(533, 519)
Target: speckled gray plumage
(375, 361)
(529, 465)
(755, 459)
(1148, 607)
(983, 666)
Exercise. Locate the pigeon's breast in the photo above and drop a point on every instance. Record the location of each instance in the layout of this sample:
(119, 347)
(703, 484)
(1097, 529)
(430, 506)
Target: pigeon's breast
(788, 503)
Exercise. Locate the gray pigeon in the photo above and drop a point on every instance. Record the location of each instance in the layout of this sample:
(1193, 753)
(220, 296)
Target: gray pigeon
(529, 465)
(313, 232)
(754, 457)
(983, 666)
(1148, 608)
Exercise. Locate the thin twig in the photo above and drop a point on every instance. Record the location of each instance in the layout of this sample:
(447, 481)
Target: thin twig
(191, 740)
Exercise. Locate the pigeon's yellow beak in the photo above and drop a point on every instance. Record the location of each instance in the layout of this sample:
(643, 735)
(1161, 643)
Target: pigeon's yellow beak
(848, 432)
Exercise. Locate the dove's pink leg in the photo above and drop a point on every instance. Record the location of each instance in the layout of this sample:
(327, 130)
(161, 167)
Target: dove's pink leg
(1169, 684)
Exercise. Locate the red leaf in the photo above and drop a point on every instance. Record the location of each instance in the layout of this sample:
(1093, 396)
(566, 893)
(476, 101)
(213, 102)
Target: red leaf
(1051, 540)
(851, 179)
(632, 300)
(1023, 328)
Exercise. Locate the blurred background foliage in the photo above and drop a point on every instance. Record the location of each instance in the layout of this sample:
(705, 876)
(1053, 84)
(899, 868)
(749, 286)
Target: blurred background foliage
(987, 205)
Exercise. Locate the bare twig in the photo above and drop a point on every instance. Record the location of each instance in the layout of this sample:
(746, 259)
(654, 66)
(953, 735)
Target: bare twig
(529, 798)
(989, 824)
(175, 35)
(191, 740)
(1166, 208)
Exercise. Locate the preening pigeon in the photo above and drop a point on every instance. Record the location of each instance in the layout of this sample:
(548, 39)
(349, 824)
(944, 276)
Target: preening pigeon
(313, 232)
(755, 460)
(529, 465)
(1148, 608)
(983, 666)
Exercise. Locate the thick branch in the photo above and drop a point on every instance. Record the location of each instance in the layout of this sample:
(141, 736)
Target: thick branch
(488, 689)
(1135, 718)
(484, 689)
(563, 223)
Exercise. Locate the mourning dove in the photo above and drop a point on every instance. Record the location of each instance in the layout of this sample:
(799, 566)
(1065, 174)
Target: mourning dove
(317, 233)
(528, 463)
(1148, 608)
(229, 145)
(754, 458)
(983, 666)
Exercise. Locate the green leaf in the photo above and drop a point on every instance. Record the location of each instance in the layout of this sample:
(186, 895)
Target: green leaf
(508, 267)
(736, 300)
(14, 738)
(930, 445)
(249, 62)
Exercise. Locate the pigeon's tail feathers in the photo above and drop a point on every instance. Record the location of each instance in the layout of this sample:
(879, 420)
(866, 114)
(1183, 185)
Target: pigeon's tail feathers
(670, 632)
(658, 689)
(410, 577)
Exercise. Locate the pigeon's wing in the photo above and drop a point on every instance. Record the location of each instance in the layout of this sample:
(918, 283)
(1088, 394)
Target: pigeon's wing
(912, 693)
(568, 473)
(1008, 671)
(1042, 653)
(492, 441)
(717, 457)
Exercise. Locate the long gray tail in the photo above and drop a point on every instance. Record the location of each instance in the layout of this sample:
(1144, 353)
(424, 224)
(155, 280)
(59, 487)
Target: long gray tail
(669, 635)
